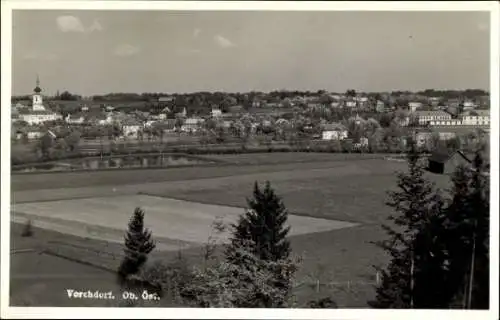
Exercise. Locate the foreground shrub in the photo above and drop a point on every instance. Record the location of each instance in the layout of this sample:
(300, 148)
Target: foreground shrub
(27, 229)
(167, 280)
(250, 283)
(323, 303)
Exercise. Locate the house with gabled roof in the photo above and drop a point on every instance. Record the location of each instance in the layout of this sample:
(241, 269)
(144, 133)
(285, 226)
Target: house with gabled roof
(445, 162)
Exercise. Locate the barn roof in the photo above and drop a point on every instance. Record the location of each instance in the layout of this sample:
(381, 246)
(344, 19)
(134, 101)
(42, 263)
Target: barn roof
(442, 156)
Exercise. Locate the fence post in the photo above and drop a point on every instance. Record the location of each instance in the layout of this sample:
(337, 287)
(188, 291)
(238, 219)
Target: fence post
(377, 278)
(317, 285)
(349, 285)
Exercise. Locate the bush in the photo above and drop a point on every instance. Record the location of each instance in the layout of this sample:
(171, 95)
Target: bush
(255, 283)
(323, 303)
(27, 229)
(167, 280)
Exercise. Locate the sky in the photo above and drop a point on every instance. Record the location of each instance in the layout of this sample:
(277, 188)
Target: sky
(96, 52)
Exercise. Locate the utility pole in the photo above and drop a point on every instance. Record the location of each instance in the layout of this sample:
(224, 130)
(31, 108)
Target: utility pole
(412, 266)
(473, 258)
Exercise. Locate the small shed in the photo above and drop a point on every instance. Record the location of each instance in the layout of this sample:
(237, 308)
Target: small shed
(442, 162)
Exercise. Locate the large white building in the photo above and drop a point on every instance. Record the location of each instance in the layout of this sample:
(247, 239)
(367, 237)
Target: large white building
(38, 113)
(431, 117)
(475, 118)
(441, 118)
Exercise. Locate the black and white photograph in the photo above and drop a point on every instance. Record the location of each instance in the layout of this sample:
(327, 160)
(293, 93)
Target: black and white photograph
(261, 160)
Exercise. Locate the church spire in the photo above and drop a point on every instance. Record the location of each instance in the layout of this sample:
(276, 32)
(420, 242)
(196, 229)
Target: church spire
(37, 88)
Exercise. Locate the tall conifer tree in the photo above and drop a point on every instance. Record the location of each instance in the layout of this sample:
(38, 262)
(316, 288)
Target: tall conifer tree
(414, 243)
(467, 236)
(264, 226)
(138, 244)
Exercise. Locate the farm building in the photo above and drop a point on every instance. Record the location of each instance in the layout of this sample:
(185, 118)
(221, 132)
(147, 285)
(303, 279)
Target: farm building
(442, 162)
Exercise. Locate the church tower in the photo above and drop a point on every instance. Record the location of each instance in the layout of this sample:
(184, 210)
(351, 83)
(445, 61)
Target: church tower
(37, 97)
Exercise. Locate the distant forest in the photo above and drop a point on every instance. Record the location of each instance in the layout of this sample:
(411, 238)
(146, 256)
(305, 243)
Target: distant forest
(244, 98)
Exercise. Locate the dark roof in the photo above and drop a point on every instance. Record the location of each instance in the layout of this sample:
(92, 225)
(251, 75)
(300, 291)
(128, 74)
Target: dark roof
(37, 89)
(442, 156)
(35, 112)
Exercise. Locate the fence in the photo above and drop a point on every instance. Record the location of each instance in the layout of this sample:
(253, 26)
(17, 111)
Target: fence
(317, 284)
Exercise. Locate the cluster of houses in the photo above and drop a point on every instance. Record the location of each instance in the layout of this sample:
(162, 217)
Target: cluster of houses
(434, 118)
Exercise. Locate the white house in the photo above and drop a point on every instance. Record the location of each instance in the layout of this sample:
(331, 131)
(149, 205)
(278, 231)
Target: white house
(334, 131)
(469, 104)
(413, 106)
(131, 127)
(75, 118)
(351, 104)
(216, 112)
(191, 124)
(363, 143)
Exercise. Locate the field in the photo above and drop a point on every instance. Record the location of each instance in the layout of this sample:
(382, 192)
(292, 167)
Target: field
(173, 222)
(338, 203)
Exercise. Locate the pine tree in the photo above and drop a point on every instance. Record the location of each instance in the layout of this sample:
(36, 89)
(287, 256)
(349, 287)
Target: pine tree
(414, 244)
(138, 244)
(261, 233)
(467, 236)
(263, 225)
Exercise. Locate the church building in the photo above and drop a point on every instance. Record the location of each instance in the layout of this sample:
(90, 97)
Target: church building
(38, 113)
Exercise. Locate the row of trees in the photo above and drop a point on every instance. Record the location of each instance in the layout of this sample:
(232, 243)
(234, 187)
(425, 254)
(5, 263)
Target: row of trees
(439, 249)
(439, 245)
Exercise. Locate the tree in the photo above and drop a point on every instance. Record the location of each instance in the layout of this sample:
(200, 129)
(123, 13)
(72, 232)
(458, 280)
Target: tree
(467, 236)
(179, 122)
(413, 276)
(249, 282)
(263, 225)
(138, 244)
(386, 120)
(72, 140)
(46, 143)
(350, 93)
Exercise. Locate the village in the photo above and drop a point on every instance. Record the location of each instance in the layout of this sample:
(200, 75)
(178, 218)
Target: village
(351, 121)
